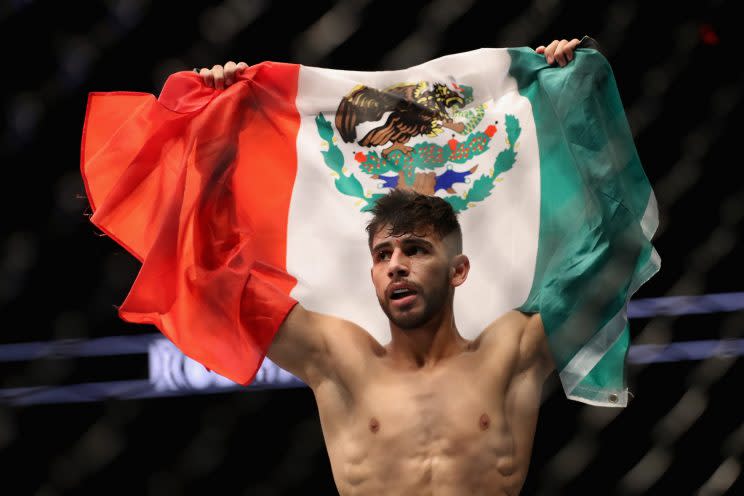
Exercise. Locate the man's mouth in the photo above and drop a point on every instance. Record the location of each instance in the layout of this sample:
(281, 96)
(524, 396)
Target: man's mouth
(402, 293)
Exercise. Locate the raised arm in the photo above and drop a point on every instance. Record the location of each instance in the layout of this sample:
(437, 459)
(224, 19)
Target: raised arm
(312, 346)
(316, 347)
(533, 365)
(518, 339)
(301, 345)
(533, 347)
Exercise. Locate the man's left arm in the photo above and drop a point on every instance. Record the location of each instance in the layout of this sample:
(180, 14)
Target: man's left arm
(523, 396)
(518, 342)
(533, 352)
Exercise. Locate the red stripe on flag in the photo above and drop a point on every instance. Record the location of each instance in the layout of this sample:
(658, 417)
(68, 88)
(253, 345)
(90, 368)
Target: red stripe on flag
(197, 186)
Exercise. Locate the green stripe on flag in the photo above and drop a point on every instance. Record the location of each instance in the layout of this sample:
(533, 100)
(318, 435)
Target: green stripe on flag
(597, 215)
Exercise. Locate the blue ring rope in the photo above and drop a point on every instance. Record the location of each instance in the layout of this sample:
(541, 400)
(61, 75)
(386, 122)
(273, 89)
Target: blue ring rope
(184, 376)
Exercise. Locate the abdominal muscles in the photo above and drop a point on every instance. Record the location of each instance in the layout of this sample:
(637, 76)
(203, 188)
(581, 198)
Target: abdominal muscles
(413, 439)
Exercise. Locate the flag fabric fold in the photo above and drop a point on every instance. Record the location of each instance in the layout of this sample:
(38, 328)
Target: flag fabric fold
(178, 182)
(602, 213)
(241, 202)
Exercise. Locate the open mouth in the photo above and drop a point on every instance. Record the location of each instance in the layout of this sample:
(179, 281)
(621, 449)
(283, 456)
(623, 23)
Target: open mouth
(399, 294)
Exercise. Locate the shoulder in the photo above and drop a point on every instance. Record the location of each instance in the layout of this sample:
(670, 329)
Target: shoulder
(522, 336)
(318, 347)
(350, 348)
(508, 328)
(334, 329)
(345, 335)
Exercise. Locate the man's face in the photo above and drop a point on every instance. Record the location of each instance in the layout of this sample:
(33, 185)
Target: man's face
(413, 276)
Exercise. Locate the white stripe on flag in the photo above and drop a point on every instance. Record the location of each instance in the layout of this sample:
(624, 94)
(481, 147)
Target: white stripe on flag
(650, 220)
(589, 356)
(327, 244)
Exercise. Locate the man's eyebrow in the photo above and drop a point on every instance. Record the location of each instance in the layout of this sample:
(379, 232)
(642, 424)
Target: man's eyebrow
(380, 246)
(419, 241)
(407, 241)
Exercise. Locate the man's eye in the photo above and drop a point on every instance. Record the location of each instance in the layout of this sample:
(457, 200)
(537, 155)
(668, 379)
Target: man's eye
(382, 255)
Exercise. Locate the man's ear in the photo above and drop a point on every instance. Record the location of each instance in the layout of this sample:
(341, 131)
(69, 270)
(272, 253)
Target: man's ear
(459, 269)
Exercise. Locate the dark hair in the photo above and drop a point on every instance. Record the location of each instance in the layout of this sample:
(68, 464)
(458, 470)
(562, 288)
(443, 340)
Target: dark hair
(406, 211)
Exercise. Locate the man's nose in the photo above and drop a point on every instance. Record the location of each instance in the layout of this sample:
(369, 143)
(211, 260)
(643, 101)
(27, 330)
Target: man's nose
(398, 264)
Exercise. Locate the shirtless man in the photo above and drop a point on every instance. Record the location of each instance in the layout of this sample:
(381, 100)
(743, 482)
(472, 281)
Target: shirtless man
(430, 413)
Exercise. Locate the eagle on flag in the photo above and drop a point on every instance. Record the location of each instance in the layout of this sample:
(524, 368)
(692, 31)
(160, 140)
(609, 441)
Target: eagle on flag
(414, 110)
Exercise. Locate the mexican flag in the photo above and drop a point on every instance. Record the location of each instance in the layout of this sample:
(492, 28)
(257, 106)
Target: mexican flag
(241, 202)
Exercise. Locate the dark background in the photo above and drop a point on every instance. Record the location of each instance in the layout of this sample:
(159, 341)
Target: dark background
(679, 70)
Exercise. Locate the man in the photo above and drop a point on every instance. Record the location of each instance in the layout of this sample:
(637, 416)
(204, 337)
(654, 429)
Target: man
(430, 412)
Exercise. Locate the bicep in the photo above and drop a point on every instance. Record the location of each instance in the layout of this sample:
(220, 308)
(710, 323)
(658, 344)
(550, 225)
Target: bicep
(524, 393)
(520, 337)
(315, 346)
(534, 352)
(300, 345)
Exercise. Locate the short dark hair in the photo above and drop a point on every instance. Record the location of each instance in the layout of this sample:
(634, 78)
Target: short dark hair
(407, 211)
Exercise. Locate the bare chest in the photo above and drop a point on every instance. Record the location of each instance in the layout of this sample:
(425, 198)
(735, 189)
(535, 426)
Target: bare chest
(434, 413)
(443, 429)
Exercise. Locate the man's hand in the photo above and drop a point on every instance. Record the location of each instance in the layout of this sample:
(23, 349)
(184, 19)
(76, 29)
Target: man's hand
(560, 51)
(220, 77)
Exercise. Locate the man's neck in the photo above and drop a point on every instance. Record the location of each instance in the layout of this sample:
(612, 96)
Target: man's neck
(426, 346)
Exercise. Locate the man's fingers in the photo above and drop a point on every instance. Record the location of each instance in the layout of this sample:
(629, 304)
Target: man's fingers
(570, 47)
(218, 74)
(230, 67)
(206, 76)
(560, 51)
(231, 71)
(220, 77)
(565, 50)
(550, 51)
(559, 55)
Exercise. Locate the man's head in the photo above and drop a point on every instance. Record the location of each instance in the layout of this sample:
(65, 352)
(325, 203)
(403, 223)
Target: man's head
(416, 246)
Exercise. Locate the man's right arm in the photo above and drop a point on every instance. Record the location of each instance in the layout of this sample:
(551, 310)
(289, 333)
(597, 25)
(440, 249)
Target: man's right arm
(300, 346)
(316, 347)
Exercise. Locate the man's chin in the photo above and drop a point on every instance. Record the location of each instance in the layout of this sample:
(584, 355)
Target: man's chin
(409, 323)
(406, 318)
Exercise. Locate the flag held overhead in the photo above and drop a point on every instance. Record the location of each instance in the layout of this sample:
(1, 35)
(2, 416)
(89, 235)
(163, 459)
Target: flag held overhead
(241, 202)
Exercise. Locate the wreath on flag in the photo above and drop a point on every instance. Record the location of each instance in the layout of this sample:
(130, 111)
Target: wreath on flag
(425, 156)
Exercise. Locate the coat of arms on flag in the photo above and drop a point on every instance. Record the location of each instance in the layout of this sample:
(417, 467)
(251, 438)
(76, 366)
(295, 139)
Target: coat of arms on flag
(405, 113)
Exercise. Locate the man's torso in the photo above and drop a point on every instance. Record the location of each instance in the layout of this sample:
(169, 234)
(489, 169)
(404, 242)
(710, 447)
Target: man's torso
(464, 426)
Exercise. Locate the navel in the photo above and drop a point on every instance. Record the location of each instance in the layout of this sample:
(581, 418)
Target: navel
(484, 422)
(374, 425)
